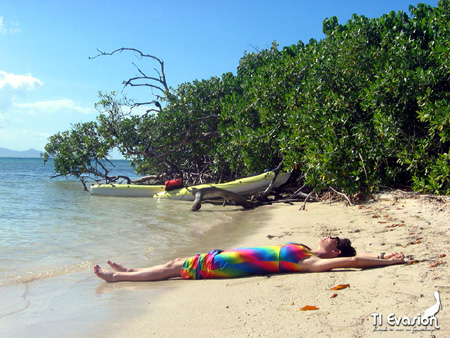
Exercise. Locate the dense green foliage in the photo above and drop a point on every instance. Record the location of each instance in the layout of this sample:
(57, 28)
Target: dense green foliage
(365, 107)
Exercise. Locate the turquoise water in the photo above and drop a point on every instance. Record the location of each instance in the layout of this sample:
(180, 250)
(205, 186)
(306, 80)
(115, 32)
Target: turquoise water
(52, 226)
(52, 232)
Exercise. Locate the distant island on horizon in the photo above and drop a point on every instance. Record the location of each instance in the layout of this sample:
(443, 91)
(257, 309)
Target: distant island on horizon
(14, 153)
(33, 153)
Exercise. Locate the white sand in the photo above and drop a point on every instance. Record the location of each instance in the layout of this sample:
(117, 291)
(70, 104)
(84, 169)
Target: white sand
(269, 306)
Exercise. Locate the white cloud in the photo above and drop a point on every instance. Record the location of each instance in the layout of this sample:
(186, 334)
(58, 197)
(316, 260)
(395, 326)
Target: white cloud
(4, 30)
(54, 106)
(13, 85)
(18, 82)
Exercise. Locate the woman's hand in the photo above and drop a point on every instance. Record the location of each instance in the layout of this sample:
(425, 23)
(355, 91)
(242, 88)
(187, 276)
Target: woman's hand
(395, 257)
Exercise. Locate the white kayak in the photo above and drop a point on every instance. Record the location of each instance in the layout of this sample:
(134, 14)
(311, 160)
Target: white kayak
(244, 186)
(126, 190)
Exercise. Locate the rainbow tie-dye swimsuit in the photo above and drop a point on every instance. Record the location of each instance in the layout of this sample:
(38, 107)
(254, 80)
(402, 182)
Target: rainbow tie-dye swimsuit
(245, 261)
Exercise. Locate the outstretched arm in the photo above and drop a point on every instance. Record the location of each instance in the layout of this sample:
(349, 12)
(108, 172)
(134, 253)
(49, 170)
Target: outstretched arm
(316, 264)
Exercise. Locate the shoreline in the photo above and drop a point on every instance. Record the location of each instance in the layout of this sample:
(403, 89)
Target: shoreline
(74, 302)
(227, 234)
(269, 306)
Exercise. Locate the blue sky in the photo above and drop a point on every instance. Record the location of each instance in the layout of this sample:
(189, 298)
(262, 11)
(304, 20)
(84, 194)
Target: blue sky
(48, 82)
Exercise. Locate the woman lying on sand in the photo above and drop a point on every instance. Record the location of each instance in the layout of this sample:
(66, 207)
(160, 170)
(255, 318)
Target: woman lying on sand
(332, 253)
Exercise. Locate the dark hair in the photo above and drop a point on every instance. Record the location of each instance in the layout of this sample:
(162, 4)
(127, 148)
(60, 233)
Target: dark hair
(346, 248)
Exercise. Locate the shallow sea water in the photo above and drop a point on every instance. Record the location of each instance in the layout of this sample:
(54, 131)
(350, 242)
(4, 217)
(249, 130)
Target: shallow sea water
(52, 233)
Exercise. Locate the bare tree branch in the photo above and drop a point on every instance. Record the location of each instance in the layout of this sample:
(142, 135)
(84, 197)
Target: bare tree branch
(131, 82)
(185, 142)
(201, 119)
(159, 84)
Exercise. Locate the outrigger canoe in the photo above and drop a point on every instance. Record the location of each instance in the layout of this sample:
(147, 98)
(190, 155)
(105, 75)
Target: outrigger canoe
(244, 186)
(126, 190)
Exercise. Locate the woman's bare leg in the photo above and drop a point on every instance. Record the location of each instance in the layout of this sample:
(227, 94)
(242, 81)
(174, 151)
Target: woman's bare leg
(121, 268)
(160, 272)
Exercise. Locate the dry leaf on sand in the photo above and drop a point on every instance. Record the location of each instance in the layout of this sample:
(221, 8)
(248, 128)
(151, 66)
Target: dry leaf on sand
(309, 308)
(340, 287)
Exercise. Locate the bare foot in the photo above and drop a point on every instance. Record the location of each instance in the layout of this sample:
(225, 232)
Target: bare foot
(105, 274)
(118, 267)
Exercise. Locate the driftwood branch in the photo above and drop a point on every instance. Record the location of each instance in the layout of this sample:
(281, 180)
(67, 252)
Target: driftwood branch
(213, 192)
(303, 207)
(270, 186)
(300, 195)
(343, 195)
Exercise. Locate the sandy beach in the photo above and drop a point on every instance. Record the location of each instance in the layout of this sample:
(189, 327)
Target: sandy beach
(269, 306)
